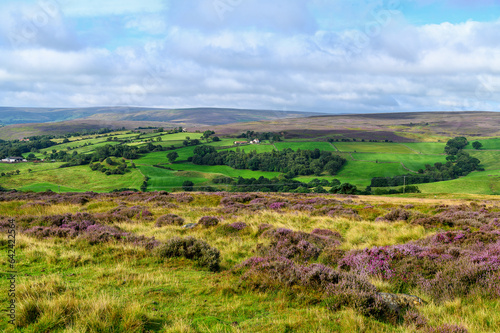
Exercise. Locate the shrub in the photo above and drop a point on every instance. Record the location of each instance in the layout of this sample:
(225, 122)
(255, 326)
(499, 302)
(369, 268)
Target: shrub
(191, 248)
(169, 219)
(397, 215)
(208, 221)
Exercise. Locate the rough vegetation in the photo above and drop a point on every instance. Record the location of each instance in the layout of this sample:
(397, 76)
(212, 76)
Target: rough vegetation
(308, 262)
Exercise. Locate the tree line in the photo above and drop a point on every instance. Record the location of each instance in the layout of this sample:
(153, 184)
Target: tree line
(289, 162)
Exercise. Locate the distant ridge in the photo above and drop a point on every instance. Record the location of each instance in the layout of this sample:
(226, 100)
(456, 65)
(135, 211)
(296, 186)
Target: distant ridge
(190, 116)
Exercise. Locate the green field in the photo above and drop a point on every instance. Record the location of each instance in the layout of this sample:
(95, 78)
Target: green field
(360, 173)
(411, 161)
(324, 146)
(486, 182)
(427, 147)
(487, 144)
(373, 147)
(258, 148)
(161, 179)
(223, 170)
(77, 178)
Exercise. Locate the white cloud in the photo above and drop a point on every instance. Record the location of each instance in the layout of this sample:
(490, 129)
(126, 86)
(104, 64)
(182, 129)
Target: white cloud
(279, 59)
(93, 8)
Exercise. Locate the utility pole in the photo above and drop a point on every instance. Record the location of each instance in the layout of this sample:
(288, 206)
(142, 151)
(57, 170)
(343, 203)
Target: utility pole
(404, 184)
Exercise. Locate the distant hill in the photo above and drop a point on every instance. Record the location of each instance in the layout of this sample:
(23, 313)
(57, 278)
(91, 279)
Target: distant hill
(24, 122)
(399, 127)
(194, 116)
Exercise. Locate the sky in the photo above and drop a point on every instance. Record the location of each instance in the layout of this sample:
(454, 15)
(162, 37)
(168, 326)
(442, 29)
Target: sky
(338, 56)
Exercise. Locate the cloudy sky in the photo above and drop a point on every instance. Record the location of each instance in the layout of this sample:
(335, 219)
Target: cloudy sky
(310, 55)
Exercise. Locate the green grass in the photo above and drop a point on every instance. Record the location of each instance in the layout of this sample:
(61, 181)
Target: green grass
(490, 160)
(173, 137)
(323, 146)
(223, 170)
(75, 178)
(487, 143)
(161, 179)
(411, 161)
(373, 147)
(485, 182)
(427, 147)
(360, 173)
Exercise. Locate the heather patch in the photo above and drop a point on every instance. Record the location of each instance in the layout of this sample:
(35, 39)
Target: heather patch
(169, 219)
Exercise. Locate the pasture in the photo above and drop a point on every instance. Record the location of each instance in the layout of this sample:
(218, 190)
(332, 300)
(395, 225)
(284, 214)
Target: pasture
(307, 145)
(488, 144)
(411, 161)
(373, 147)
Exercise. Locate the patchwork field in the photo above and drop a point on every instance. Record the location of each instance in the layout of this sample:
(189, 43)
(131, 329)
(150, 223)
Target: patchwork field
(365, 161)
(373, 147)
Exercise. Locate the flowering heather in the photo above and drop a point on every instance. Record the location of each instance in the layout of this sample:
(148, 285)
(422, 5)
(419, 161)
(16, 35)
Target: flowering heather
(208, 221)
(191, 248)
(397, 215)
(278, 205)
(169, 219)
(295, 245)
(334, 287)
(327, 233)
(238, 225)
(303, 207)
(93, 232)
(184, 198)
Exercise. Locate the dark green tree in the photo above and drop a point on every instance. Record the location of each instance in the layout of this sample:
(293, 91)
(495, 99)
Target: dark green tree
(477, 145)
(172, 156)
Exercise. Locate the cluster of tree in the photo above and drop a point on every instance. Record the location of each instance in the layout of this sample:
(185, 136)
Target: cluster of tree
(113, 168)
(189, 142)
(17, 148)
(455, 145)
(10, 173)
(102, 153)
(405, 189)
(291, 163)
(458, 164)
(281, 184)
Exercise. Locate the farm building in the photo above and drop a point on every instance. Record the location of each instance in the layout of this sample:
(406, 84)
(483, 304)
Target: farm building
(255, 141)
(14, 159)
(240, 142)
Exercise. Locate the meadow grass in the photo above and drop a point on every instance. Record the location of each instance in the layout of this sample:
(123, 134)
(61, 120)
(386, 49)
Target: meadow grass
(484, 182)
(411, 161)
(310, 145)
(360, 173)
(161, 179)
(224, 170)
(427, 147)
(75, 178)
(493, 143)
(373, 147)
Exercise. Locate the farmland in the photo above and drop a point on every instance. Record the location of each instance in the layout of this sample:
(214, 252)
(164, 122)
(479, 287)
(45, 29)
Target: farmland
(365, 160)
